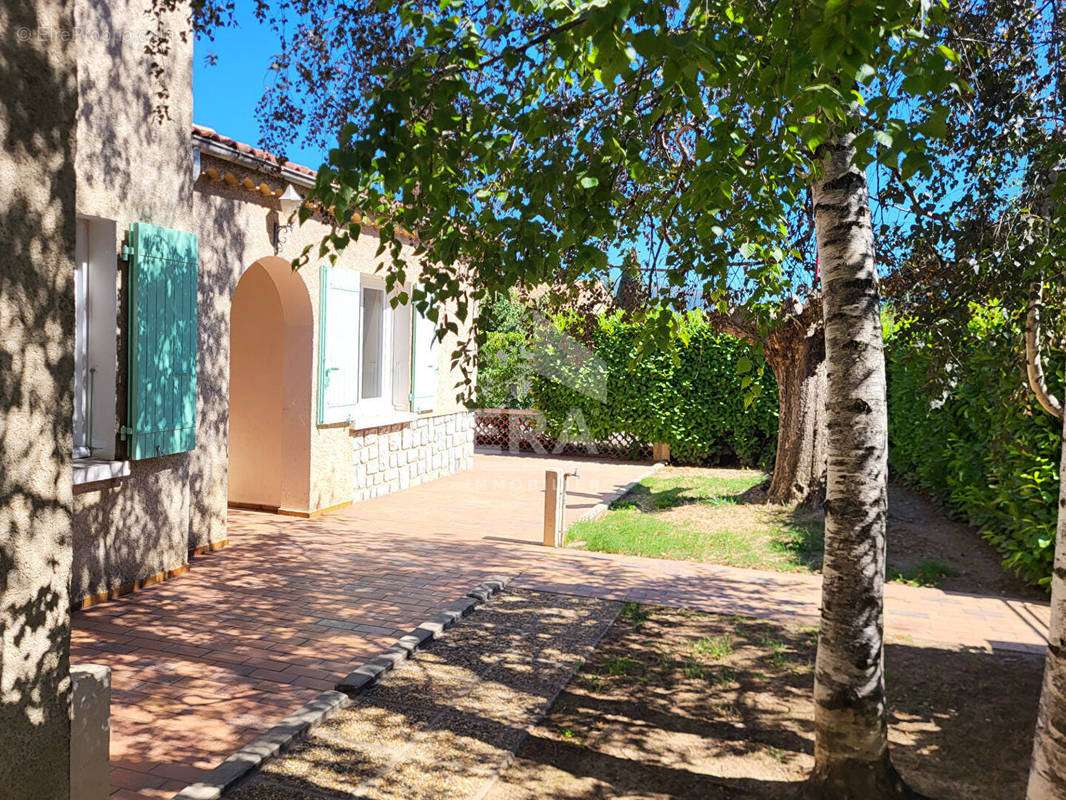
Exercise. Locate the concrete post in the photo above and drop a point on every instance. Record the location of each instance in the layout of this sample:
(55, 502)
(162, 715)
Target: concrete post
(553, 507)
(38, 106)
(90, 732)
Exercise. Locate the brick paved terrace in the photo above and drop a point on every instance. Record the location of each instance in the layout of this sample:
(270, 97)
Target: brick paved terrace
(205, 662)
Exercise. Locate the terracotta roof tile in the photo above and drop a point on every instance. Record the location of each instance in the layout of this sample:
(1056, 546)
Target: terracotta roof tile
(267, 158)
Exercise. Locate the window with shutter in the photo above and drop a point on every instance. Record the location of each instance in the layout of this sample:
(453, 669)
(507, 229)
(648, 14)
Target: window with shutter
(162, 341)
(338, 352)
(401, 355)
(423, 363)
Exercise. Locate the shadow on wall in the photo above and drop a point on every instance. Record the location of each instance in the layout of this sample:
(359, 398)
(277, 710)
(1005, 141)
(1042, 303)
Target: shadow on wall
(146, 525)
(133, 167)
(223, 243)
(126, 153)
(37, 221)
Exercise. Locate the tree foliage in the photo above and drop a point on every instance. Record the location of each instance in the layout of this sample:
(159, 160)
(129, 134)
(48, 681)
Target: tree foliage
(973, 436)
(526, 141)
(988, 220)
(689, 394)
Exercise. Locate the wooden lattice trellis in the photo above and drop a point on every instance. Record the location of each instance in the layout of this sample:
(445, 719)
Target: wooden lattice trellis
(512, 430)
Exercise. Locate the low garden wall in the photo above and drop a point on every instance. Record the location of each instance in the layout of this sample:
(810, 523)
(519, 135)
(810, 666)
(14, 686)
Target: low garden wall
(393, 457)
(511, 430)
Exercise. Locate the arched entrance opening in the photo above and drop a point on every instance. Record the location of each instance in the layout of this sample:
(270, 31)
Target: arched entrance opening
(270, 389)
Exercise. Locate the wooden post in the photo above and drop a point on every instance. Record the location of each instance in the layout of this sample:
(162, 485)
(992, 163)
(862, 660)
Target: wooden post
(553, 507)
(660, 451)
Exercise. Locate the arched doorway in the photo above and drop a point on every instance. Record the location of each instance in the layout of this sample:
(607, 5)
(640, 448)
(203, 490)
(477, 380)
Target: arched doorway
(270, 389)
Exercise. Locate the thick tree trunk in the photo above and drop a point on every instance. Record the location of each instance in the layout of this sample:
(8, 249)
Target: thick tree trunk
(795, 352)
(851, 730)
(1047, 777)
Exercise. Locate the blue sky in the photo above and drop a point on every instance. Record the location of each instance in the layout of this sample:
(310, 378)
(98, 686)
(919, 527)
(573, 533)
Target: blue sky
(225, 93)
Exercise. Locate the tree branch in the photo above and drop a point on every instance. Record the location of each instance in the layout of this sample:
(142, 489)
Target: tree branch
(737, 323)
(1033, 364)
(520, 49)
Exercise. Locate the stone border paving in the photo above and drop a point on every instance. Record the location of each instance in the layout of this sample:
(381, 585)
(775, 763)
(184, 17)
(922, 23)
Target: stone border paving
(276, 740)
(446, 724)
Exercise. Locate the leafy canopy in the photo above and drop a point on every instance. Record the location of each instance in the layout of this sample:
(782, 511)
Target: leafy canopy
(990, 218)
(527, 141)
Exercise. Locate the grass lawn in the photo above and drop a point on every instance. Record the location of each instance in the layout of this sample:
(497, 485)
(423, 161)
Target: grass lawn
(702, 515)
(712, 515)
(681, 704)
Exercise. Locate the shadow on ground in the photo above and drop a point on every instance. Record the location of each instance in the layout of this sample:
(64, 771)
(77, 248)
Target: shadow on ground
(677, 704)
(671, 704)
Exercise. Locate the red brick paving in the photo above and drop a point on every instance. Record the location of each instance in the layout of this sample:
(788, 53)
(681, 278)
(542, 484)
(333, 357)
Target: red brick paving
(203, 663)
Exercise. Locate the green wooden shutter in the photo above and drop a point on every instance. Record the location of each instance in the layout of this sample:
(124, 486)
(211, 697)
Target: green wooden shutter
(423, 363)
(338, 345)
(162, 341)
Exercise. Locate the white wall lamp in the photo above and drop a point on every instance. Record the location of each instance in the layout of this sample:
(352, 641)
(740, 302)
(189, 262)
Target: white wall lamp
(289, 201)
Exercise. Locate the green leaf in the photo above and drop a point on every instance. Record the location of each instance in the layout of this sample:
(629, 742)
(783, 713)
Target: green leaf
(948, 53)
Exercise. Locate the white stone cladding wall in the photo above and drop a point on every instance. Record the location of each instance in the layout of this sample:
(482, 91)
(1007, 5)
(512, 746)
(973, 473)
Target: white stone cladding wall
(393, 457)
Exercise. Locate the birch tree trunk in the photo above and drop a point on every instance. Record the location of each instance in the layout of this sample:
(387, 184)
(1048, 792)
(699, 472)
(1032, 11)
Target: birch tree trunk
(1047, 775)
(851, 730)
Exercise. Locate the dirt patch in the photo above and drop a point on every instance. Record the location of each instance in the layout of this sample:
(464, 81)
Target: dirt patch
(680, 704)
(719, 516)
(443, 723)
(919, 529)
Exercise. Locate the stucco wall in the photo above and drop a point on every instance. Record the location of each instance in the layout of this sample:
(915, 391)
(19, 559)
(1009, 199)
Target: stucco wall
(236, 230)
(132, 167)
(256, 394)
(37, 112)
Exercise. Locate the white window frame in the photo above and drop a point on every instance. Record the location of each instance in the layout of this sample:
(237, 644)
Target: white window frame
(96, 341)
(386, 409)
(382, 404)
(402, 331)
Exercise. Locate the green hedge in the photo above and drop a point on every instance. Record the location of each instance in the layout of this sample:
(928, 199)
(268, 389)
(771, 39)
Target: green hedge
(689, 394)
(973, 436)
(501, 371)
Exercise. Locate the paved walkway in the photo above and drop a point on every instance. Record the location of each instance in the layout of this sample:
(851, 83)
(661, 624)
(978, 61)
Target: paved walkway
(206, 661)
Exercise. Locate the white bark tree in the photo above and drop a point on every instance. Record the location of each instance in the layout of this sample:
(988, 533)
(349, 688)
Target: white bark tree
(851, 730)
(1047, 775)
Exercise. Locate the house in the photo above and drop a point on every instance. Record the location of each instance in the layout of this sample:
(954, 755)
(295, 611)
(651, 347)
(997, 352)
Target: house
(159, 360)
(207, 373)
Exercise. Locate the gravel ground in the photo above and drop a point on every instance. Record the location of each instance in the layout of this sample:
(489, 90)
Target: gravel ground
(442, 724)
(677, 704)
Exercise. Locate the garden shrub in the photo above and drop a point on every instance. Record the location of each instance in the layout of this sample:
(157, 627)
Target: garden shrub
(501, 371)
(973, 435)
(689, 394)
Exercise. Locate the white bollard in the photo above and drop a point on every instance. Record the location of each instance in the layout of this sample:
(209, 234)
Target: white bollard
(90, 732)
